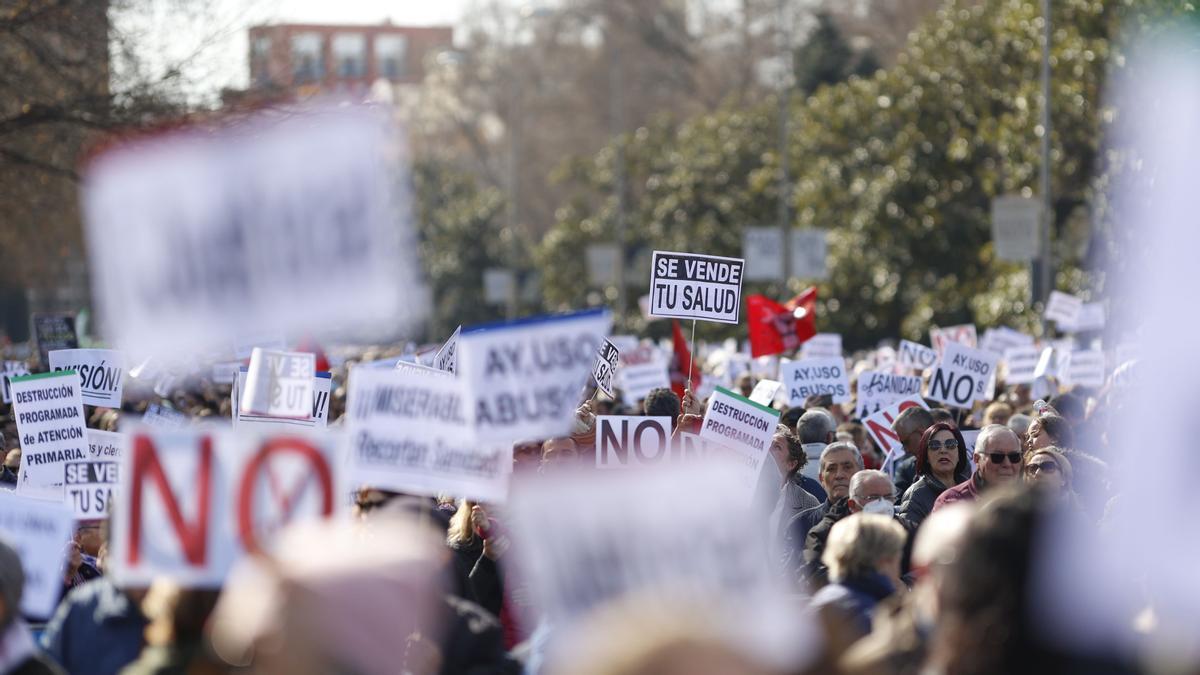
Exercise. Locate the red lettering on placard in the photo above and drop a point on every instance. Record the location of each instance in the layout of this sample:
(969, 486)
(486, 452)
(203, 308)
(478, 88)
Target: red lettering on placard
(193, 537)
(286, 501)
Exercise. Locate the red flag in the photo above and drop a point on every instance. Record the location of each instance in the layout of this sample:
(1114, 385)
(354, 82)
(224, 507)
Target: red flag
(311, 346)
(683, 360)
(776, 328)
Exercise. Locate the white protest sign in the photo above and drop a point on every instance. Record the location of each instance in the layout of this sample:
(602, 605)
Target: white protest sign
(50, 426)
(879, 389)
(322, 383)
(412, 432)
(822, 345)
(969, 438)
(810, 253)
(108, 445)
(1084, 368)
(12, 369)
(40, 532)
(963, 376)
(1091, 317)
(916, 356)
(1021, 364)
(816, 377)
(279, 384)
(194, 501)
(879, 426)
(244, 346)
(447, 357)
(90, 486)
(406, 367)
(762, 249)
(1015, 221)
(765, 391)
(1000, 340)
(624, 441)
(736, 421)
(101, 373)
(963, 334)
(606, 367)
(525, 376)
(641, 369)
(197, 239)
(162, 417)
(693, 286)
(1063, 308)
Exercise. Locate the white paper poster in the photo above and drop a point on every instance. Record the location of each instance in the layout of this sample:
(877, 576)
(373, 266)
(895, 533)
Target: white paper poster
(101, 373)
(879, 426)
(525, 376)
(693, 286)
(106, 445)
(963, 334)
(90, 486)
(196, 500)
(39, 531)
(765, 391)
(916, 356)
(1063, 308)
(162, 417)
(1020, 364)
(51, 428)
(625, 440)
(447, 357)
(12, 369)
(878, 389)
(279, 384)
(322, 384)
(964, 376)
(822, 346)
(815, 377)
(736, 421)
(606, 367)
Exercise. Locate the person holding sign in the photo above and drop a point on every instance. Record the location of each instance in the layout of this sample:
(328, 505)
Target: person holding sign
(941, 461)
(998, 461)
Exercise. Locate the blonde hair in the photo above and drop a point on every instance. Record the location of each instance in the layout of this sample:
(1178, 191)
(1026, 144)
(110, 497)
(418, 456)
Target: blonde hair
(859, 542)
(461, 531)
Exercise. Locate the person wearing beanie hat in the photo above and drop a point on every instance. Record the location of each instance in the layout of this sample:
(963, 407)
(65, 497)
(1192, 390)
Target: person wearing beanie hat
(19, 654)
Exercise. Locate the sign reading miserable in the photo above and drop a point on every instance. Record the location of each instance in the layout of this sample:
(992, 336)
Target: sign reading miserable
(525, 376)
(691, 286)
(50, 424)
(411, 432)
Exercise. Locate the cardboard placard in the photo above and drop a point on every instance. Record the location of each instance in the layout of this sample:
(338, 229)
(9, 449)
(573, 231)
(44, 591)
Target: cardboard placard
(51, 428)
(194, 501)
(525, 376)
(105, 445)
(736, 421)
(879, 389)
(198, 239)
(53, 331)
(1063, 308)
(963, 334)
(999, 340)
(822, 346)
(606, 367)
(1084, 368)
(101, 373)
(412, 433)
(319, 417)
(816, 377)
(162, 417)
(279, 384)
(447, 357)
(765, 391)
(623, 441)
(694, 286)
(917, 356)
(39, 531)
(1020, 364)
(12, 369)
(879, 426)
(963, 376)
(90, 487)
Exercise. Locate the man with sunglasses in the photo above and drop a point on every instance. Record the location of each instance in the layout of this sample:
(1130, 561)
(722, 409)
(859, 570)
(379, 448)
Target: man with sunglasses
(998, 461)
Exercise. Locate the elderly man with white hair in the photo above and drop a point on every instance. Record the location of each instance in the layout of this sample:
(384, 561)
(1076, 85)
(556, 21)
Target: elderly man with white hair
(998, 461)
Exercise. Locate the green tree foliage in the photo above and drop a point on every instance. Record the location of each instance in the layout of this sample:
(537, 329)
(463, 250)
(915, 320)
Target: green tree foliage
(460, 235)
(826, 58)
(899, 167)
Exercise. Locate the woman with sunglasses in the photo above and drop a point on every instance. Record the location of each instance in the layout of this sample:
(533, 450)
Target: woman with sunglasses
(941, 463)
(1047, 467)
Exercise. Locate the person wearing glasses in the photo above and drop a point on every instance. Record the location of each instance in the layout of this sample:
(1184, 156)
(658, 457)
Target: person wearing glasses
(1048, 467)
(941, 462)
(998, 461)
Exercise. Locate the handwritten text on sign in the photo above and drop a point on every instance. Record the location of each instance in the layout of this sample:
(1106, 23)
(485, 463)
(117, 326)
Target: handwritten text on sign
(525, 376)
(963, 376)
(816, 377)
(50, 424)
(691, 286)
(100, 373)
(194, 501)
(412, 432)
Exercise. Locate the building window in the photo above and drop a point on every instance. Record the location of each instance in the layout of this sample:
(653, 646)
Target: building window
(390, 56)
(260, 60)
(308, 59)
(350, 54)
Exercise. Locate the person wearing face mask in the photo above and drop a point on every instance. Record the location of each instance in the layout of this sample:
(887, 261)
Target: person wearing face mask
(941, 462)
(998, 461)
(870, 491)
(839, 461)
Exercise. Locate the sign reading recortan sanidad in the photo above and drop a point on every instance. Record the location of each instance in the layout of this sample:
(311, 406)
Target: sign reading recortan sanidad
(694, 286)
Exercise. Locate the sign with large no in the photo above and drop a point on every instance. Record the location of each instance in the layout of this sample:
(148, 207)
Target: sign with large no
(623, 441)
(963, 376)
(195, 501)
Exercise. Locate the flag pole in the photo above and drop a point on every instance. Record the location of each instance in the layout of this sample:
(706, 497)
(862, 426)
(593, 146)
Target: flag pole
(691, 357)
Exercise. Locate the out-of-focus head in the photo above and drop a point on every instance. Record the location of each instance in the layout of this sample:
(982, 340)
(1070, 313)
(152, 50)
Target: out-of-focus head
(1019, 423)
(1049, 430)
(559, 451)
(839, 462)
(744, 384)
(1048, 467)
(661, 402)
(856, 433)
(998, 456)
(526, 456)
(1070, 406)
(863, 543)
(13, 459)
(12, 584)
(816, 426)
(909, 425)
(942, 415)
(787, 451)
(997, 413)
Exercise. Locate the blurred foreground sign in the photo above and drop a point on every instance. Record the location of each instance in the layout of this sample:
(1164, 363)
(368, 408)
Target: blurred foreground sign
(39, 531)
(278, 224)
(196, 500)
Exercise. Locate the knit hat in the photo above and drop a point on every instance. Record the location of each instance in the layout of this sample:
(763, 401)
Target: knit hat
(12, 582)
